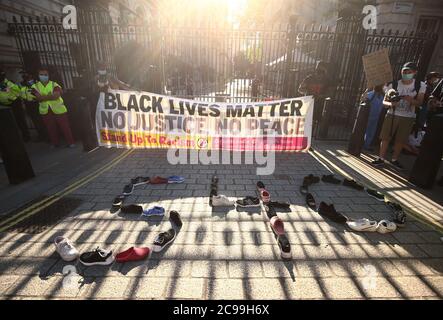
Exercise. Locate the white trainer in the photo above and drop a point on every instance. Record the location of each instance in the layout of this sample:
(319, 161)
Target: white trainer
(65, 249)
(386, 226)
(222, 201)
(364, 225)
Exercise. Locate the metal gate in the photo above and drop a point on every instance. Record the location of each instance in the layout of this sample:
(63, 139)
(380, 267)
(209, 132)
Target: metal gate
(219, 63)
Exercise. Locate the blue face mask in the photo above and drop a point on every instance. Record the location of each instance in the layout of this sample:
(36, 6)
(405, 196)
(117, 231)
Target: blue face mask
(43, 78)
(407, 76)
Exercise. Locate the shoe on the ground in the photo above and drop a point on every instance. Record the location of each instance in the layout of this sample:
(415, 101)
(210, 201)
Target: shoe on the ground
(163, 239)
(364, 225)
(310, 201)
(128, 189)
(386, 226)
(352, 184)
(214, 189)
(174, 216)
(328, 211)
(222, 201)
(304, 190)
(214, 180)
(155, 211)
(280, 205)
(176, 179)
(248, 202)
(310, 179)
(98, 257)
(159, 180)
(65, 249)
(330, 179)
(265, 196)
(270, 211)
(285, 246)
(399, 216)
(138, 181)
(378, 162)
(260, 185)
(277, 226)
(118, 201)
(131, 209)
(375, 194)
(132, 254)
(397, 164)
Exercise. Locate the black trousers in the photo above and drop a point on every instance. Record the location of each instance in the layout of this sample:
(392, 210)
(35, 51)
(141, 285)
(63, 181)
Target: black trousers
(31, 108)
(20, 119)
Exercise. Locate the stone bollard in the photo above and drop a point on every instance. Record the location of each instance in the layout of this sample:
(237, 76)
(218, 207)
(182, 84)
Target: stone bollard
(15, 158)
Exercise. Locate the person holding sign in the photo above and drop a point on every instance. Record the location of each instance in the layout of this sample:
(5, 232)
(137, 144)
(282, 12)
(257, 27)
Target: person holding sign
(402, 98)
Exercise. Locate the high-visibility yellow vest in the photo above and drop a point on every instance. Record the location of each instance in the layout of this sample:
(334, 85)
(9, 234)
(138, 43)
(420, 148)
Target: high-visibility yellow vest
(9, 92)
(26, 93)
(57, 106)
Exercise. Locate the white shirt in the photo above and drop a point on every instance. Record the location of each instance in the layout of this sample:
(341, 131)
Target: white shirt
(416, 142)
(404, 109)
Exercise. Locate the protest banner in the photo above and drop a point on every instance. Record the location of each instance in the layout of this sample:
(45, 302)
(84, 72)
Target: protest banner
(128, 119)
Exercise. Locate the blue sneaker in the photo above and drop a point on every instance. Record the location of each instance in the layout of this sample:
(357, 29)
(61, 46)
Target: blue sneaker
(176, 179)
(155, 211)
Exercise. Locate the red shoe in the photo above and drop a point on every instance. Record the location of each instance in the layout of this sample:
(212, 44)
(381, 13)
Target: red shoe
(158, 180)
(277, 226)
(132, 254)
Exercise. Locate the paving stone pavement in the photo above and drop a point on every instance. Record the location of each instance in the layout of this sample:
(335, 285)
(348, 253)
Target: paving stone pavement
(224, 254)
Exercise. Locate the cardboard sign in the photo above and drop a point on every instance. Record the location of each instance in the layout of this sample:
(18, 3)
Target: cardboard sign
(377, 67)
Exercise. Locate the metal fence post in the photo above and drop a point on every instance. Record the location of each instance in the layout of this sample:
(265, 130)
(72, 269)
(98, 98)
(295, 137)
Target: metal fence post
(325, 119)
(13, 151)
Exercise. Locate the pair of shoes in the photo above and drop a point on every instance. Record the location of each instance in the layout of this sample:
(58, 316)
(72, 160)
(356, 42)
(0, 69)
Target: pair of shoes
(221, 201)
(352, 184)
(330, 179)
(166, 238)
(248, 202)
(264, 195)
(310, 201)
(398, 214)
(376, 195)
(328, 211)
(366, 225)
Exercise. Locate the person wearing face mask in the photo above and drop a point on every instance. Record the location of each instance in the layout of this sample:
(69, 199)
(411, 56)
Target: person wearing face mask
(31, 105)
(408, 95)
(105, 81)
(10, 97)
(52, 108)
(432, 79)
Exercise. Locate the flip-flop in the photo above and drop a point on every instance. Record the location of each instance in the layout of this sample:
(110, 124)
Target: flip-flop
(155, 211)
(310, 201)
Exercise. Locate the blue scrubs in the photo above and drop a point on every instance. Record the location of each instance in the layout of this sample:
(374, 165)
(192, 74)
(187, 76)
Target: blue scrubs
(374, 116)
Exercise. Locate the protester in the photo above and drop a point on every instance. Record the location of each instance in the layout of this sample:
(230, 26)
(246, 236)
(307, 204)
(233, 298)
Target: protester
(432, 79)
(10, 97)
(104, 80)
(375, 99)
(317, 84)
(402, 98)
(31, 105)
(52, 108)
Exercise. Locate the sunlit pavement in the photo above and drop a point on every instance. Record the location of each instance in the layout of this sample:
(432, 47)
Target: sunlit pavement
(225, 254)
